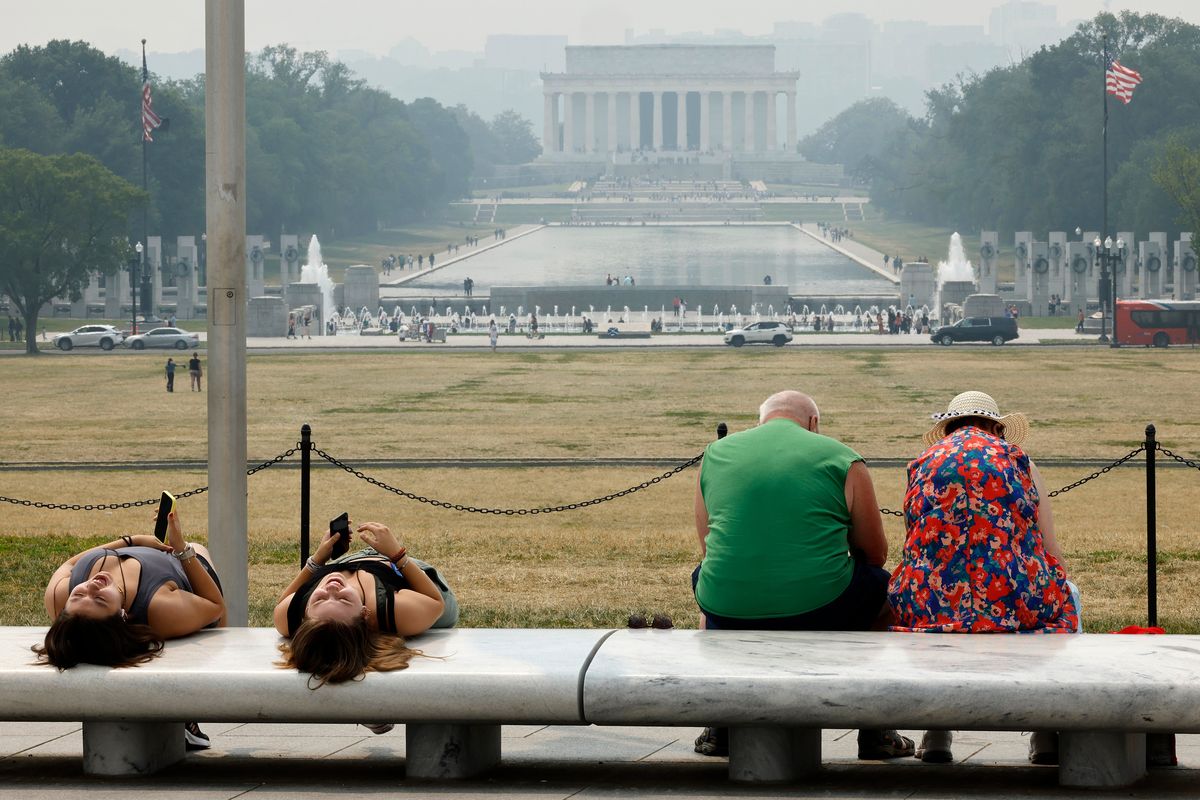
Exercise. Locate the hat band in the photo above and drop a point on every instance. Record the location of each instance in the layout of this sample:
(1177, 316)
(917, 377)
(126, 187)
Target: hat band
(969, 412)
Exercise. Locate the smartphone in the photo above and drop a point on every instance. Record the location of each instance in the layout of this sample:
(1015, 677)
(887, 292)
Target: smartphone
(166, 504)
(339, 526)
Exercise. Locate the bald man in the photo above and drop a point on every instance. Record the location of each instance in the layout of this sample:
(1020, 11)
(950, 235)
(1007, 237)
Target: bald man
(790, 538)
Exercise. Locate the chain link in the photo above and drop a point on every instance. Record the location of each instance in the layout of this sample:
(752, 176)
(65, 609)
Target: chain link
(1185, 461)
(1101, 471)
(508, 512)
(137, 503)
(889, 512)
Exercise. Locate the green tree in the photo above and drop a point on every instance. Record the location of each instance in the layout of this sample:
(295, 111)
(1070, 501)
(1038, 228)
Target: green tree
(515, 142)
(1178, 173)
(61, 218)
(857, 137)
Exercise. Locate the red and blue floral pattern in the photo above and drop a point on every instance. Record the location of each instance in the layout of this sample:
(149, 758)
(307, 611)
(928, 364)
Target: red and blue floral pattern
(973, 559)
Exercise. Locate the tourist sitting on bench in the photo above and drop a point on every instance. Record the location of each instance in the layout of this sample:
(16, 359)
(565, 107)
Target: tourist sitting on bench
(115, 605)
(348, 617)
(980, 554)
(791, 540)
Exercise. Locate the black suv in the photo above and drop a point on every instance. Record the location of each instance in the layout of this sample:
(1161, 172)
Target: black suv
(996, 330)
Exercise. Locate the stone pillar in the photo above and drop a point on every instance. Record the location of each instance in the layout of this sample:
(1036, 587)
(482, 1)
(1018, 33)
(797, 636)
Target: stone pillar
(549, 128)
(658, 119)
(772, 133)
(115, 284)
(186, 274)
(589, 123)
(1184, 286)
(1124, 268)
(1057, 251)
(568, 122)
(791, 122)
(1037, 277)
(289, 262)
(611, 144)
(681, 142)
(154, 266)
(255, 256)
(1022, 240)
(748, 132)
(705, 121)
(727, 121)
(989, 246)
(635, 120)
(1154, 261)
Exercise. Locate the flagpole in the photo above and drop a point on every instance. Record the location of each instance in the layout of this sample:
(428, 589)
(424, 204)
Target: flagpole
(1109, 294)
(145, 184)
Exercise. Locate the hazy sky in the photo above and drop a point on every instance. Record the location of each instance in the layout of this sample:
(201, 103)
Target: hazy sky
(376, 25)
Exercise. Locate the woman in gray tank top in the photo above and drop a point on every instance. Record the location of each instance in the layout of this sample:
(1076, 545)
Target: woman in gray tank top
(116, 604)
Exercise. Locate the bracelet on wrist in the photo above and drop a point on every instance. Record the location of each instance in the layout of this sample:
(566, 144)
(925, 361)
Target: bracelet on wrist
(128, 540)
(185, 555)
(402, 563)
(312, 565)
(399, 556)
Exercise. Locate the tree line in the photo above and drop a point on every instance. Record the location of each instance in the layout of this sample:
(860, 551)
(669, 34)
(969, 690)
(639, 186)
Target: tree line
(1019, 148)
(325, 153)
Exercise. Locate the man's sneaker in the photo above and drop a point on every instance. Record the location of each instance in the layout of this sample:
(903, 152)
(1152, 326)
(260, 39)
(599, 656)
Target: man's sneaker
(935, 747)
(1043, 747)
(194, 738)
(378, 728)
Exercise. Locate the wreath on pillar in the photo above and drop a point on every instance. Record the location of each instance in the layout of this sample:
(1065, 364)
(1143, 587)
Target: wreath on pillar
(1189, 263)
(1041, 266)
(290, 255)
(256, 254)
(1056, 251)
(987, 251)
(1079, 264)
(1153, 264)
(1022, 250)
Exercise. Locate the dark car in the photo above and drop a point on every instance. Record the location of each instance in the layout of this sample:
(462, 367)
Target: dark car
(996, 330)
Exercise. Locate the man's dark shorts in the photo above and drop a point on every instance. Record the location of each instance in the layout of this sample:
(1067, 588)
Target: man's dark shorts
(855, 609)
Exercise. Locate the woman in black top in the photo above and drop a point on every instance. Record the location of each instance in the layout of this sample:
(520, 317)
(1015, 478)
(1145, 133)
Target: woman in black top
(349, 617)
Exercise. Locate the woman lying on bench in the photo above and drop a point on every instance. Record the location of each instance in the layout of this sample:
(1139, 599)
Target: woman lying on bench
(116, 604)
(347, 617)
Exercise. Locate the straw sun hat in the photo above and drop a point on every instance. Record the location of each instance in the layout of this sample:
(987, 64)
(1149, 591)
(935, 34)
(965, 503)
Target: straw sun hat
(978, 404)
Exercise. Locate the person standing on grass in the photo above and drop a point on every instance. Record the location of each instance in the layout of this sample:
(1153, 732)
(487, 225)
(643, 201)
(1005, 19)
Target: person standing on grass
(194, 371)
(790, 539)
(170, 374)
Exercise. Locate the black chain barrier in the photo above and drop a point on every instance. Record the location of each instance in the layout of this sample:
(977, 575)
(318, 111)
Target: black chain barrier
(508, 512)
(137, 503)
(1187, 462)
(522, 511)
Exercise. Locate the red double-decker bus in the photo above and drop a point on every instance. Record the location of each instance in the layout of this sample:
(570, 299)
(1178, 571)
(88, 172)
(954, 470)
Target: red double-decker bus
(1158, 322)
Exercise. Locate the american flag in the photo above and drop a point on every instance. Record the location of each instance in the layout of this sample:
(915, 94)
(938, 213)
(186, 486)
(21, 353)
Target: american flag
(150, 120)
(1119, 80)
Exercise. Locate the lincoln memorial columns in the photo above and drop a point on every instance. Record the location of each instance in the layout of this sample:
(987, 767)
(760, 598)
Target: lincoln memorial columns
(705, 121)
(611, 143)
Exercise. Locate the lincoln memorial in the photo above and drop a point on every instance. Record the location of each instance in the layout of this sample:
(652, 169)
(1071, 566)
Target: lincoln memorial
(706, 99)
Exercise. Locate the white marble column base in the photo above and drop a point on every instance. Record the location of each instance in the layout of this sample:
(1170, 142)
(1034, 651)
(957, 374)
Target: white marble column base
(773, 754)
(1091, 759)
(131, 748)
(436, 750)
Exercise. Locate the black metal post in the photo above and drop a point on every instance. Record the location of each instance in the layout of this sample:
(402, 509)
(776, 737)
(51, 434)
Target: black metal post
(1104, 309)
(133, 289)
(722, 430)
(305, 464)
(1151, 532)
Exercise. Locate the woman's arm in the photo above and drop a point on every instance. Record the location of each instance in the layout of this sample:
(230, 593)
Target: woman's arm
(1045, 515)
(319, 558)
(416, 608)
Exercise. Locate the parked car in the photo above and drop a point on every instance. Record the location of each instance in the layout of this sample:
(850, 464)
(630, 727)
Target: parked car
(164, 337)
(106, 337)
(775, 333)
(996, 330)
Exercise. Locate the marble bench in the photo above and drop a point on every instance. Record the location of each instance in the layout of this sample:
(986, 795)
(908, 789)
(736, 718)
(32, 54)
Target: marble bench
(452, 702)
(777, 690)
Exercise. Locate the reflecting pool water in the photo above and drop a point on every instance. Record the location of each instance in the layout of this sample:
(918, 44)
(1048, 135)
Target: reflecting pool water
(658, 256)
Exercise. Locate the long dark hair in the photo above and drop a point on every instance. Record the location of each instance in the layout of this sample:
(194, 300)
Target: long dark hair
(109, 642)
(332, 651)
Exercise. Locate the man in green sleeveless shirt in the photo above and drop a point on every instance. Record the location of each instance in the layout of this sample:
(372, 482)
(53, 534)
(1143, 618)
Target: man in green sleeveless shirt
(791, 539)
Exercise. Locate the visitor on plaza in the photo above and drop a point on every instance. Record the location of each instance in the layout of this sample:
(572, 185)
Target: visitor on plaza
(194, 371)
(790, 539)
(980, 554)
(116, 605)
(347, 613)
(493, 334)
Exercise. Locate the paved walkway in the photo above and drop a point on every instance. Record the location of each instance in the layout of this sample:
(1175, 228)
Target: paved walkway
(445, 258)
(42, 760)
(855, 251)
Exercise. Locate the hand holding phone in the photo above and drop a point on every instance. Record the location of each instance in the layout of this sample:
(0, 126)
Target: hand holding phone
(166, 504)
(339, 528)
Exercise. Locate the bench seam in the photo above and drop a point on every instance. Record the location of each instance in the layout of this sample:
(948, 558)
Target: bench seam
(587, 662)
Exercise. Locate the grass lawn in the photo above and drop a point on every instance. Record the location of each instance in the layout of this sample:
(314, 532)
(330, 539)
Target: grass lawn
(804, 212)
(373, 248)
(537, 190)
(907, 239)
(592, 566)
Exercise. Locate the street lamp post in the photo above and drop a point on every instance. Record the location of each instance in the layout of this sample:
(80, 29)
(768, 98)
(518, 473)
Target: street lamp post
(1107, 257)
(134, 269)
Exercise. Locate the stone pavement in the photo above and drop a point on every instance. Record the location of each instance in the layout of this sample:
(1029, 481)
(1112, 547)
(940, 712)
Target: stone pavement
(42, 760)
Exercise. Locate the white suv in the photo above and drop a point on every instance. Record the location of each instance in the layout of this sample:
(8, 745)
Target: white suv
(775, 333)
(106, 337)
